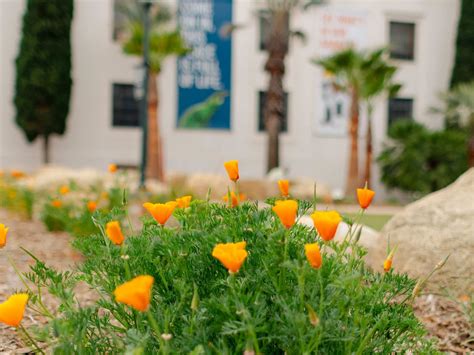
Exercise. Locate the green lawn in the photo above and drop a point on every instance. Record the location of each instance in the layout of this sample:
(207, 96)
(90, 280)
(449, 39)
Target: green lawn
(375, 221)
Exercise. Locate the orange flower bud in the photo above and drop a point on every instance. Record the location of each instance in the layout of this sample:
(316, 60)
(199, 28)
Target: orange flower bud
(313, 255)
(313, 317)
(112, 168)
(387, 264)
(232, 167)
(184, 202)
(114, 232)
(286, 210)
(64, 190)
(12, 310)
(235, 199)
(91, 206)
(326, 223)
(284, 186)
(161, 211)
(136, 292)
(3, 235)
(56, 203)
(231, 255)
(365, 196)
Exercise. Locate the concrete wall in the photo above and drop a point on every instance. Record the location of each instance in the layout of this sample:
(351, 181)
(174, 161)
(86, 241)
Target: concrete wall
(98, 62)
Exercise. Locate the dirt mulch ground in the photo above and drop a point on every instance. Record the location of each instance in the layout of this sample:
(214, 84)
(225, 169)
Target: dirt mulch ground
(444, 319)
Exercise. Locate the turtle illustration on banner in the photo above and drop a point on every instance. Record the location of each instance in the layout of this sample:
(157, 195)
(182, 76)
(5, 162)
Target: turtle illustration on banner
(200, 114)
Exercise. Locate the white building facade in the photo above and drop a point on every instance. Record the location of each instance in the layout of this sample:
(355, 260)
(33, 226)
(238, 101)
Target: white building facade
(423, 32)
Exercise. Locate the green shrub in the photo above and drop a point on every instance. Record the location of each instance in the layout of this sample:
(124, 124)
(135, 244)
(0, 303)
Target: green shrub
(270, 306)
(418, 160)
(55, 218)
(16, 198)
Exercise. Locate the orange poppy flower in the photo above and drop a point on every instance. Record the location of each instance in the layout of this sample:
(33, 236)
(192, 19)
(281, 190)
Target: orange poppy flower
(56, 203)
(184, 202)
(235, 200)
(232, 167)
(3, 235)
(91, 206)
(161, 211)
(231, 255)
(114, 232)
(286, 210)
(313, 255)
(365, 196)
(12, 310)
(17, 174)
(64, 190)
(136, 292)
(112, 168)
(284, 186)
(326, 223)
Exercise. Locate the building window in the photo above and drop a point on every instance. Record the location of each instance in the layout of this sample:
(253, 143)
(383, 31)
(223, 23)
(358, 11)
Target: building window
(125, 106)
(402, 40)
(399, 109)
(264, 28)
(120, 19)
(261, 119)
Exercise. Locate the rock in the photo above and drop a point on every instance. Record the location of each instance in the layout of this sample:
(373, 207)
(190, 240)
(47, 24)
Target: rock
(368, 238)
(258, 189)
(431, 228)
(303, 188)
(200, 183)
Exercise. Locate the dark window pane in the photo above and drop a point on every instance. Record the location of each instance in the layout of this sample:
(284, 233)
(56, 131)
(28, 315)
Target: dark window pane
(125, 106)
(402, 40)
(399, 109)
(261, 119)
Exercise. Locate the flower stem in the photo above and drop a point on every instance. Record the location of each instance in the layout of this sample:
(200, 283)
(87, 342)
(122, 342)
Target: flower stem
(31, 339)
(154, 325)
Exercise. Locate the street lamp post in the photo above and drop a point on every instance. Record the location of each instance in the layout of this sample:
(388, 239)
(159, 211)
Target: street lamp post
(144, 100)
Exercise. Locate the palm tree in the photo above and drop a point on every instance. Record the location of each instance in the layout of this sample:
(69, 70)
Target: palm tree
(378, 80)
(458, 111)
(163, 42)
(277, 14)
(364, 76)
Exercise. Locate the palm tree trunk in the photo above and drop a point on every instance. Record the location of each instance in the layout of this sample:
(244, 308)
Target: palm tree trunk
(46, 150)
(353, 172)
(368, 149)
(154, 169)
(277, 46)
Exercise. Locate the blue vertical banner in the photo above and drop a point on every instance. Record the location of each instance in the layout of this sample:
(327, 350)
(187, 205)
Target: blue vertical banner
(205, 74)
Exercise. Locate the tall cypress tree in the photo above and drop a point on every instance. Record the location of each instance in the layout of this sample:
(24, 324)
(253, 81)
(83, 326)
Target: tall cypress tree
(43, 70)
(463, 70)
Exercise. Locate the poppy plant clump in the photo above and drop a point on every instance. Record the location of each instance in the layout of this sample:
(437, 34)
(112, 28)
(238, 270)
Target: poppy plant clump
(220, 280)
